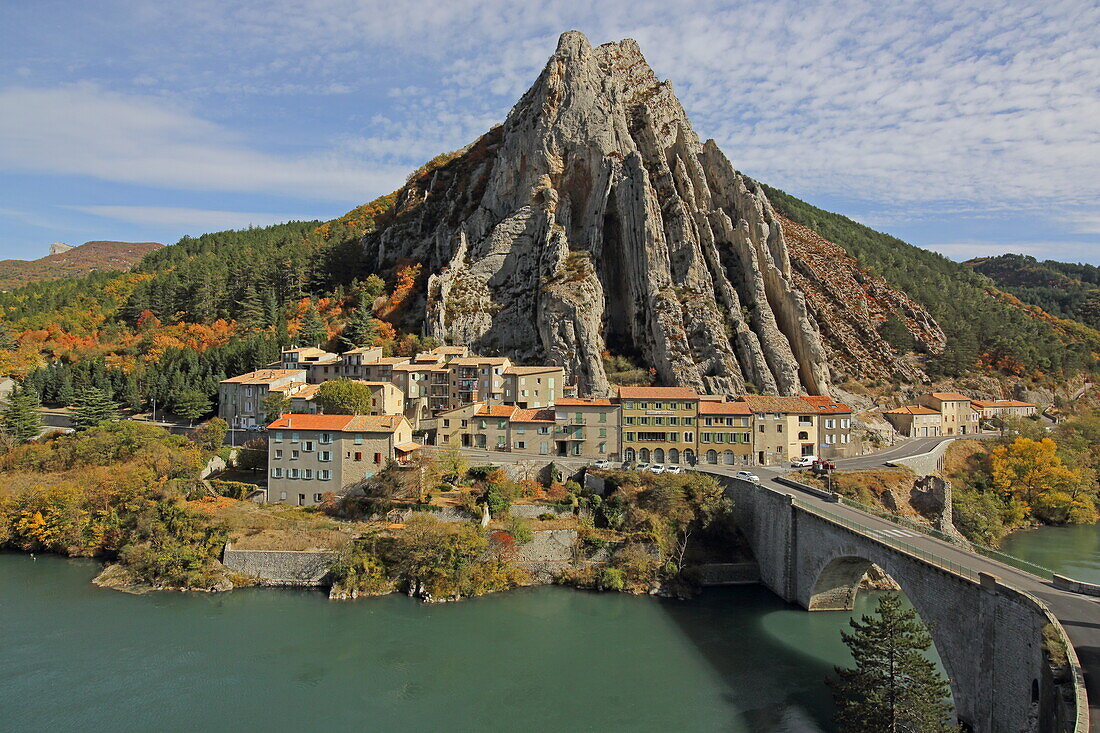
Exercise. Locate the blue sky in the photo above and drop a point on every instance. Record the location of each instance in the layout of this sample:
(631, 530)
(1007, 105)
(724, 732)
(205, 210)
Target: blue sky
(969, 130)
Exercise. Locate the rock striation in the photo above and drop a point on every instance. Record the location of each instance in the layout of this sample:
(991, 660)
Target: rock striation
(593, 220)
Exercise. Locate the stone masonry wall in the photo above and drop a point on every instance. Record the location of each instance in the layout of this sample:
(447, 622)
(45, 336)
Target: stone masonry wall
(280, 567)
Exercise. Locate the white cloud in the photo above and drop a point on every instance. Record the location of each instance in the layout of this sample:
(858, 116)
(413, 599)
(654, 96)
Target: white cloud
(1062, 251)
(86, 131)
(201, 220)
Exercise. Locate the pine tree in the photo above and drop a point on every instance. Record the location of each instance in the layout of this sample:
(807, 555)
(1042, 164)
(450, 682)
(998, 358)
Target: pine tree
(360, 330)
(191, 404)
(20, 420)
(893, 686)
(313, 331)
(92, 406)
(251, 313)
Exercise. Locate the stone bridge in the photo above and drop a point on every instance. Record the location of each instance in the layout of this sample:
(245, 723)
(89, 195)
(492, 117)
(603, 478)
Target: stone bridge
(989, 635)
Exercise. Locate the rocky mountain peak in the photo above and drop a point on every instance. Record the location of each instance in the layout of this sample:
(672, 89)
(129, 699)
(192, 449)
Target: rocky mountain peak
(592, 221)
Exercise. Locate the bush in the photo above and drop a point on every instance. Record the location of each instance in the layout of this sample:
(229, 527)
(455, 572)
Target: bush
(612, 579)
(547, 516)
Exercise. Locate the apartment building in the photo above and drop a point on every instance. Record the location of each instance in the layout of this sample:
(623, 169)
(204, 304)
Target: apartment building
(588, 427)
(319, 364)
(311, 455)
(386, 399)
(241, 398)
(989, 409)
(531, 430)
(725, 433)
(834, 427)
(354, 361)
(957, 416)
(465, 427)
(532, 386)
(785, 428)
(914, 421)
(658, 424)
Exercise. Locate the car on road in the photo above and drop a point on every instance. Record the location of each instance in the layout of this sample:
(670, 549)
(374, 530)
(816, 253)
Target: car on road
(803, 462)
(656, 468)
(747, 476)
(601, 464)
(673, 469)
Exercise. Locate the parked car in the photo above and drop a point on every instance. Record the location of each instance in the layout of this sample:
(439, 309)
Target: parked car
(673, 469)
(748, 476)
(656, 468)
(601, 464)
(822, 466)
(641, 466)
(803, 462)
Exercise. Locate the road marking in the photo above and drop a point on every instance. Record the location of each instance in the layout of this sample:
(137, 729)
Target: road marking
(895, 533)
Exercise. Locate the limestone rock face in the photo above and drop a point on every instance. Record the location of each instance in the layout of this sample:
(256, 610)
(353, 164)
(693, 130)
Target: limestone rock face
(594, 219)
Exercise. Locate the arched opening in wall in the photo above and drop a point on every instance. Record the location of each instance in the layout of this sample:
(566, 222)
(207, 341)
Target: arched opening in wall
(673, 455)
(628, 455)
(689, 456)
(659, 455)
(643, 455)
(712, 456)
(845, 578)
(727, 457)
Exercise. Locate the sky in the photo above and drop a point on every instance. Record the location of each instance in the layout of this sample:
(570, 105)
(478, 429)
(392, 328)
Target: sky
(967, 128)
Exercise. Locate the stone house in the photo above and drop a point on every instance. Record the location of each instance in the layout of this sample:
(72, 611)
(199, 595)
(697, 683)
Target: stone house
(311, 455)
(834, 427)
(587, 426)
(354, 361)
(957, 416)
(914, 421)
(532, 430)
(785, 428)
(725, 433)
(319, 364)
(241, 398)
(989, 409)
(658, 424)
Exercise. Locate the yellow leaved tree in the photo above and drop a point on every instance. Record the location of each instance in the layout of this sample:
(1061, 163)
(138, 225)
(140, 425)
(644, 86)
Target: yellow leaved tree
(1030, 472)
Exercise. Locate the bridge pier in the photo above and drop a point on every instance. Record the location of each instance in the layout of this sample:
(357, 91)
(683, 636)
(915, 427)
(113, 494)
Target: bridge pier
(988, 635)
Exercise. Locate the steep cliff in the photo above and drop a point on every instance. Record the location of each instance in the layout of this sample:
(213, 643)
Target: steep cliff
(595, 219)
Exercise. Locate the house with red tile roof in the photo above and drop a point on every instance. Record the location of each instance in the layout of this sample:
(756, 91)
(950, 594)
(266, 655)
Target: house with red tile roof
(312, 455)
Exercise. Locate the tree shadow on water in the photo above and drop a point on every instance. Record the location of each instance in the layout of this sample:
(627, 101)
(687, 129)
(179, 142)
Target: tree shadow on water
(775, 685)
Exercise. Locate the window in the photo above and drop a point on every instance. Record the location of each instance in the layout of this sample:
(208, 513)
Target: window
(519, 445)
(830, 424)
(324, 474)
(779, 428)
(603, 417)
(294, 437)
(603, 432)
(502, 424)
(628, 437)
(307, 445)
(282, 496)
(294, 455)
(248, 406)
(521, 429)
(326, 438)
(276, 473)
(325, 455)
(446, 423)
(377, 457)
(687, 421)
(359, 439)
(761, 428)
(845, 423)
(544, 430)
(601, 448)
(307, 473)
(278, 453)
(292, 473)
(689, 437)
(358, 456)
(278, 436)
(316, 498)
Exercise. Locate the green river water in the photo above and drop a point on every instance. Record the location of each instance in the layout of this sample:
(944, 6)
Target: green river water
(77, 657)
(1072, 551)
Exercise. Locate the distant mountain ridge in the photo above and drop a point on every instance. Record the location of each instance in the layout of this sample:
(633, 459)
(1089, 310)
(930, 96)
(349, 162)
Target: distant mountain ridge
(74, 261)
(1061, 288)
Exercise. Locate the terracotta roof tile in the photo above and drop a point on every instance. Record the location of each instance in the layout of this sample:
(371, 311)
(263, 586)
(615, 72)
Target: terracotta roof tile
(706, 407)
(657, 393)
(264, 376)
(827, 405)
(769, 403)
(295, 421)
(912, 410)
(495, 411)
(536, 415)
(949, 396)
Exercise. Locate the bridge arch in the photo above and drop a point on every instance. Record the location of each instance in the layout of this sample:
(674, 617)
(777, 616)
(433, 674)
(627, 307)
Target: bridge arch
(838, 582)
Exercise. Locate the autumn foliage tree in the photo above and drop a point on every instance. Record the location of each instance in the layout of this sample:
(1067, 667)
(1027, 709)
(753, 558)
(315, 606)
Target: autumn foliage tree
(1030, 473)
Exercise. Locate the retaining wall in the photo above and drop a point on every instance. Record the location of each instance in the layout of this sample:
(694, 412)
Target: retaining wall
(280, 567)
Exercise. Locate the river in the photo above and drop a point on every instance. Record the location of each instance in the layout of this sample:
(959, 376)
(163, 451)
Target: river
(77, 657)
(1073, 551)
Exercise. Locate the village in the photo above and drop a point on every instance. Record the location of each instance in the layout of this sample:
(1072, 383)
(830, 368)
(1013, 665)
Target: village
(449, 397)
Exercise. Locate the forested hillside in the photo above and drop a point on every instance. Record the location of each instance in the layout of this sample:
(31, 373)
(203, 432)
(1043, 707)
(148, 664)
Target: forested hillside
(1061, 288)
(189, 315)
(73, 262)
(986, 329)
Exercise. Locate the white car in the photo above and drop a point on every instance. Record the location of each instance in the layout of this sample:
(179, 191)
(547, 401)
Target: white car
(748, 476)
(641, 467)
(601, 464)
(673, 469)
(656, 468)
(803, 462)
